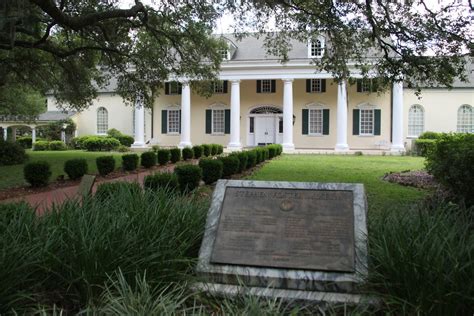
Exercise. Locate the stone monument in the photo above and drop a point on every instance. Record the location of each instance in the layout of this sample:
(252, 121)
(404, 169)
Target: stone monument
(292, 240)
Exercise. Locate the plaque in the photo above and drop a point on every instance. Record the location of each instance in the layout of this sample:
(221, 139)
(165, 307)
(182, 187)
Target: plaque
(288, 228)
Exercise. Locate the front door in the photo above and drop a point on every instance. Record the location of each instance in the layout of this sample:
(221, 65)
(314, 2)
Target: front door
(265, 129)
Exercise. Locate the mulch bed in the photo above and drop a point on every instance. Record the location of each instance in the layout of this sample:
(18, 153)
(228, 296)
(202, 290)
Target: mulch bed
(418, 179)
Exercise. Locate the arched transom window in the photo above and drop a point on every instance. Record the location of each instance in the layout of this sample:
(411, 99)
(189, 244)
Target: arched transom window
(465, 119)
(102, 120)
(266, 109)
(416, 120)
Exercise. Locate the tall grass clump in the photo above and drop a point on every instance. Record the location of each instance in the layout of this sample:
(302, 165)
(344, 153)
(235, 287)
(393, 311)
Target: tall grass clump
(421, 261)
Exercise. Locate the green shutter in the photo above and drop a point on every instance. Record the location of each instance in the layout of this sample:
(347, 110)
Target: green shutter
(273, 83)
(167, 88)
(259, 86)
(208, 121)
(305, 121)
(180, 121)
(323, 85)
(164, 121)
(308, 85)
(225, 86)
(359, 86)
(227, 122)
(355, 121)
(325, 121)
(377, 121)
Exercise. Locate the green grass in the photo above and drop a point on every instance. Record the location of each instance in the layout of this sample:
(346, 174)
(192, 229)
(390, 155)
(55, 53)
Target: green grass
(368, 170)
(12, 176)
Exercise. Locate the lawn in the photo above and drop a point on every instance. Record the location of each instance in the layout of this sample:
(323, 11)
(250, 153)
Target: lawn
(12, 176)
(349, 169)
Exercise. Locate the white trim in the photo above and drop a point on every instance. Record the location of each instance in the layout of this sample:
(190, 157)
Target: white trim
(360, 121)
(322, 40)
(217, 106)
(97, 121)
(320, 107)
(173, 107)
(423, 119)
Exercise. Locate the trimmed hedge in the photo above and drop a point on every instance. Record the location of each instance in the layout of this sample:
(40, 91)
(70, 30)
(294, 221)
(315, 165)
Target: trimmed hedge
(214, 149)
(25, 141)
(188, 153)
(37, 173)
(197, 150)
(243, 159)
(163, 156)
(220, 149)
(57, 145)
(175, 155)
(211, 169)
(423, 146)
(99, 143)
(206, 150)
(148, 159)
(130, 162)
(230, 165)
(430, 135)
(11, 153)
(189, 177)
(165, 180)
(125, 140)
(75, 168)
(110, 190)
(105, 165)
(252, 158)
(41, 145)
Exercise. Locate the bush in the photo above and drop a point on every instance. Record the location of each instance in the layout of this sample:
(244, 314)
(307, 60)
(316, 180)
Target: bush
(164, 180)
(260, 154)
(148, 159)
(112, 190)
(105, 165)
(220, 149)
(163, 156)
(272, 151)
(423, 146)
(451, 162)
(124, 140)
(41, 145)
(243, 160)
(11, 153)
(430, 135)
(99, 143)
(75, 168)
(206, 150)
(252, 158)
(78, 142)
(188, 153)
(123, 149)
(57, 145)
(130, 162)
(25, 141)
(230, 165)
(279, 149)
(266, 154)
(211, 169)
(175, 155)
(189, 177)
(155, 148)
(214, 149)
(197, 150)
(37, 173)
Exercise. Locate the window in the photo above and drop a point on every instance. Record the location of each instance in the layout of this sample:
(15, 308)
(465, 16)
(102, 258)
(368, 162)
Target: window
(366, 122)
(280, 125)
(173, 121)
(416, 120)
(266, 86)
(224, 52)
(251, 125)
(218, 121)
(102, 120)
(316, 48)
(315, 121)
(218, 87)
(465, 119)
(172, 88)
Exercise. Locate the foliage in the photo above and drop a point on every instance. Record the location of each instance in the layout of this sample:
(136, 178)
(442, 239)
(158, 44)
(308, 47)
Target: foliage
(430, 135)
(78, 142)
(272, 151)
(123, 149)
(188, 176)
(451, 162)
(75, 168)
(112, 190)
(130, 162)
(37, 173)
(230, 165)
(188, 153)
(57, 145)
(165, 180)
(105, 165)
(260, 155)
(211, 169)
(52, 131)
(423, 146)
(11, 153)
(148, 159)
(164, 156)
(24, 141)
(41, 145)
(206, 150)
(175, 155)
(243, 160)
(100, 143)
(252, 158)
(20, 99)
(125, 140)
(214, 149)
(197, 150)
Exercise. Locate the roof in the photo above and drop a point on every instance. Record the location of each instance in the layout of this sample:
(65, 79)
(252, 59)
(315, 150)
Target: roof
(49, 116)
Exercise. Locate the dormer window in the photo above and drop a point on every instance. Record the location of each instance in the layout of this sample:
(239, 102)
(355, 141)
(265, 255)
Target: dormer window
(225, 54)
(316, 48)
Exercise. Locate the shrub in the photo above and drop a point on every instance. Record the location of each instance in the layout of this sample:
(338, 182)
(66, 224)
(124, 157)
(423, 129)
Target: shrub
(189, 177)
(75, 168)
(220, 149)
(124, 140)
(41, 145)
(163, 156)
(130, 162)
(25, 141)
(252, 158)
(272, 151)
(266, 154)
(188, 153)
(214, 149)
(105, 165)
(148, 159)
(155, 148)
(99, 143)
(430, 135)
(197, 150)
(206, 150)
(211, 169)
(175, 155)
(164, 180)
(123, 149)
(451, 162)
(243, 160)
(112, 190)
(230, 165)
(259, 153)
(11, 153)
(78, 142)
(279, 149)
(37, 173)
(57, 145)
(423, 146)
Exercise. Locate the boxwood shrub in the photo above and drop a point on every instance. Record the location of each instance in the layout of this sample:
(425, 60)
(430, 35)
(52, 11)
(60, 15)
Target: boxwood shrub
(230, 165)
(148, 159)
(423, 146)
(110, 190)
(24, 141)
(164, 180)
(105, 165)
(272, 151)
(41, 145)
(188, 153)
(430, 135)
(75, 168)
(130, 162)
(243, 159)
(163, 156)
(266, 153)
(260, 155)
(211, 169)
(125, 140)
(188, 176)
(206, 150)
(37, 173)
(57, 145)
(252, 158)
(175, 155)
(11, 153)
(214, 149)
(197, 150)
(220, 149)
(99, 143)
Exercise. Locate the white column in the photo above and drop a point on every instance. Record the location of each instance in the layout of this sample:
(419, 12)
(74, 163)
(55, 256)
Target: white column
(63, 136)
(341, 136)
(397, 118)
(5, 133)
(185, 116)
(13, 134)
(235, 144)
(33, 134)
(288, 145)
(139, 124)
